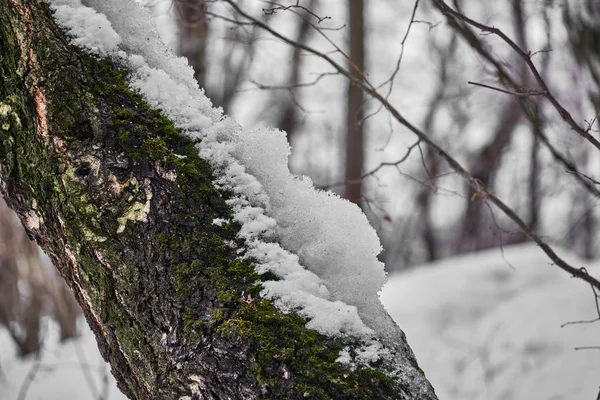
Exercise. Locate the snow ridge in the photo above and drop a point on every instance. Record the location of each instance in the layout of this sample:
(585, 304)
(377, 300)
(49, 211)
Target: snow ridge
(287, 224)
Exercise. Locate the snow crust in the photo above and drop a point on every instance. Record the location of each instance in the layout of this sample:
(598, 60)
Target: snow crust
(90, 30)
(321, 246)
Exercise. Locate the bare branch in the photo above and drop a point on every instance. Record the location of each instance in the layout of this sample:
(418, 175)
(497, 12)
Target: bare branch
(390, 80)
(524, 93)
(262, 86)
(35, 367)
(380, 166)
(584, 175)
(278, 7)
(526, 56)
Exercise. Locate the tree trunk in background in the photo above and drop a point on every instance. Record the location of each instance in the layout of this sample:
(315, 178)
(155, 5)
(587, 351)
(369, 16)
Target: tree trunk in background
(288, 120)
(431, 159)
(193, 32)
(30, 289)
(354, 135)
(584, 34)
(475, 232)
(123, 205)
(581, 20)
(534, 190)
(483, 167)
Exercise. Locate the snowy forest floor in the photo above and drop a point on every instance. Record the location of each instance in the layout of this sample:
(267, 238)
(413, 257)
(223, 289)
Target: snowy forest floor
(484, 326)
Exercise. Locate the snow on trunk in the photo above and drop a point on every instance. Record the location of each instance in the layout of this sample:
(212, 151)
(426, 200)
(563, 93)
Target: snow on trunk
(320, 246)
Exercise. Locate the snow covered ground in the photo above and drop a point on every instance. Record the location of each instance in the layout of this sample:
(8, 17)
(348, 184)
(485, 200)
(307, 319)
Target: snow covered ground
(73, 370)
(482, 326)
(489, 328)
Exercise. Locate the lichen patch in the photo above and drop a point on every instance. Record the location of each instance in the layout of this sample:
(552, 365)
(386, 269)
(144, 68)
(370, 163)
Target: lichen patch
(7, 112)
(137, 211)
(33, 220)
(41, 111)
(4, 109)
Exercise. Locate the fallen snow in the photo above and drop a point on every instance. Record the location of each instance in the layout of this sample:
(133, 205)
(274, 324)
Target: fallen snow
(90, 30)
(320, 245)
(69, 370)
(482, 330)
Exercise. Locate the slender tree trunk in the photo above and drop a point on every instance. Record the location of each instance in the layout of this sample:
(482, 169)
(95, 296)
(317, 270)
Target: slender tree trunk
(28, 290)
(288, 120)
(484, 167)
(193, 32)
(99, 180)
(354, 112)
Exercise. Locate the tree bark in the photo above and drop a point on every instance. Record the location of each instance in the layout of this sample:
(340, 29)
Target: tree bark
(123, 205)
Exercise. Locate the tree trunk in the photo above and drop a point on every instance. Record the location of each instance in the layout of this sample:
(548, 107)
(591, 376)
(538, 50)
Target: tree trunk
(193, 32)
(354, 113)
(288, 118)
(98, 179)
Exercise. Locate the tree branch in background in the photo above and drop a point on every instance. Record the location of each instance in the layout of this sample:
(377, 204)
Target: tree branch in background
(476, 44)
(523, 93)
(481, 191)
(530, 109)
(308, 10)
(526, 57)
(288, 118)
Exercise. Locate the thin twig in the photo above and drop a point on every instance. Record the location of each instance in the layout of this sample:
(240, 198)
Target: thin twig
(588, 348)
(261, 86)
(379, 167)
(524, 93)
(584, 175)
(392, 77)
(35, 367)
(279, 7)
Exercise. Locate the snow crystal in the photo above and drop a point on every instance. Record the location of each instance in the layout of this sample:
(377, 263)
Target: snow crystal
(219, 221)
(90, 30)
(368, 352)
(319, 245)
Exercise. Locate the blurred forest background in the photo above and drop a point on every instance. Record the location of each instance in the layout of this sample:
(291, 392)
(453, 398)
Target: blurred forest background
(466, 89)
(424, 64)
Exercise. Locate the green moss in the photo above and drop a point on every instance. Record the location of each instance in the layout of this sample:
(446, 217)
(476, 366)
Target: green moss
(204, 267)
(154, 148)
(280, 342)
(125, 114)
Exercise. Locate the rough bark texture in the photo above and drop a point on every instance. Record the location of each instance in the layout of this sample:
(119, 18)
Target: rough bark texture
(97, 177)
